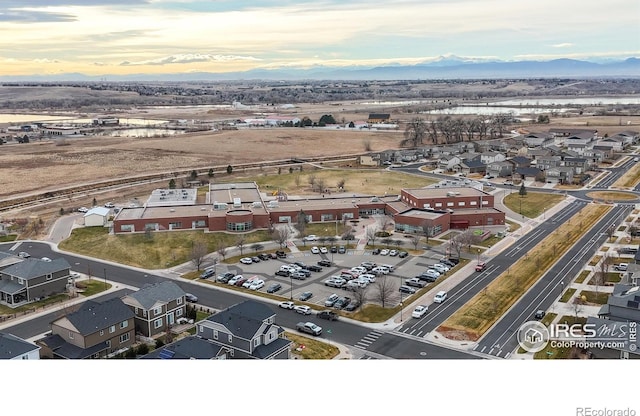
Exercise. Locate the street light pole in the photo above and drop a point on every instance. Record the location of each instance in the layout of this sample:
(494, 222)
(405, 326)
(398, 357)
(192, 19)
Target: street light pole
(105, 277)
(290, 287)
(401, 306)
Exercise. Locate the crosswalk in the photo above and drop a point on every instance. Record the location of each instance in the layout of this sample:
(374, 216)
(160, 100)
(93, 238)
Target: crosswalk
(369, 339)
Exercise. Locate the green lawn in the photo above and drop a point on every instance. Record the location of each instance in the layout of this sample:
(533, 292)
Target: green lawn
(583, 275)
(567, 295)
(92, 286)
(154, 251)
(532, 204)
(7, 238)
(599, 298)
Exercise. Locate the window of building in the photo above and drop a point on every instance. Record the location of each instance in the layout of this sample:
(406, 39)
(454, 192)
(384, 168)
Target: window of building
(201, 328)
(231, 353)
(157, 311)
(485, 202)
(49, 277)
(108, 343)
(215, 334)
(178, 312)
(272, 335)
(70, 335)
(144, 313)
(20, 281)
(239, 226)
(124, 324)
(124, 337)
(151, 226)
(200, 223)
(101, 332)
(256, 342)
(179, 301)
(127, 227)
(284, 219)
(230, 338)
(112, 329)
(449, 204)
(135, 310)
(472, 203)
(157, 323)
(175, 225)
(461, 203)
(438, 204)
(326, 217)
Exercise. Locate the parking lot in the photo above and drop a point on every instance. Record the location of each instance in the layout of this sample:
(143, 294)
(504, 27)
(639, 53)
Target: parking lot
(403, 269)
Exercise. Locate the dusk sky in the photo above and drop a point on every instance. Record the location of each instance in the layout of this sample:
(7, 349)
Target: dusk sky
(96, 37)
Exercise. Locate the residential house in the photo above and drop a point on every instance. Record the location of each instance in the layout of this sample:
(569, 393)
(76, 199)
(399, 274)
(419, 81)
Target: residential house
(491, 157)
(539, 139)
(528, 174)
(375, 118)
(33, 279)
(520, 162)
(156, 307)
(568, 132)
(559, 175)
(613, 142)
(615, 338)
(447, 163)
(584, 137)
(472, 166)
(500, 169)
(599, 154)
(96, 217)
(7, 259)
(628, 137)
(15, 348)
(96, 330)
(579, 148)
(246, 330)
(548, 162)
(534, 154)
(579, 164)
(189, 348)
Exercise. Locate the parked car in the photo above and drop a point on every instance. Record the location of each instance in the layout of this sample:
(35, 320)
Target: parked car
(440, 297)
(286, 305)
(311, 237)
(83, 209)
(407, 290)
(304, 296)
(621, 267)
(24, 255)
(454, 260)
(207, 274)
(342, 250)
(247, 283)
(257, 284)
(315, 250)
(375, 251)
(284, 273)
(328, 315)
(419, 311)
(109, 205)
(380, 270)
(191, 298)
(402, 254)
(281, 254)
(241, 281)
(309, 328)
(335, 282)
(342, 302)
(448, 263)
(298, 275)
(264, 256)
(441, 268)
(325, 263)
(384, 252)
(334, 249)
(303, 309)
(314, 268)
(393, 253)
(255, 259)
(234, 279)
(323, 250)
(415, 282)
(274, 287)
(427, 277)
(371, 278)
(368, 265)
(225, 277)
(273, 256)
(331, 300)
(246, 260)
(352, 306)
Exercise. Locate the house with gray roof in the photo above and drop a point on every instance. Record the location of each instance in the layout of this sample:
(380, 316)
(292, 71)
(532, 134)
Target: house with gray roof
(246, 330)
(539, 139)
(156, 307)
(189, 348)
(15, 348)
(33, 279)
(623, 304)
(95, 330)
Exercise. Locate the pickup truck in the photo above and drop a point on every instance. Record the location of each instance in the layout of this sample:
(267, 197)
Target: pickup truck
(309, 328)
(480, 267)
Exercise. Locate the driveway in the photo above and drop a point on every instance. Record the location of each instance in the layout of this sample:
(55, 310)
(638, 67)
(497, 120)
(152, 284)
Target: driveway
(61, 229)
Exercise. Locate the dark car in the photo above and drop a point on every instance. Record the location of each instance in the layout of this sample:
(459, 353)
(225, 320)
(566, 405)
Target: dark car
(274, 288)
(282, 273)
(448, 263)
(273, 256)
(304, 296)
(375, 251)
(407, 290)
(334, 249)
(240, 282)
(539, 314)
(325, 263)
(264, 256)
(403, 254)
(454, 260)
(305, 272)
(328, 315)
(314, 268)
(190, 298)
(342, 250)
(281, 254)
(298, 276)
(255, 259)
(301, 264)
(207, 274)
(427, 278)
(352, 306)
(224, 278)
(342, 302)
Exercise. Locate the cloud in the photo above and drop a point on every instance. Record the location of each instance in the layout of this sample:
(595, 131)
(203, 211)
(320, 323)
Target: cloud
(46, 61)
(56, 3)
(31, 16)
(562, 45)
(190, 58)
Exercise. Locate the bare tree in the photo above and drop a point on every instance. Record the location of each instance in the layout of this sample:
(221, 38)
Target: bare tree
(457, 243)
(341, 183)
(281, 235)
(198, 252)
(257, 247)
(610, 231)
(386, 241)
(428, 230)
(371, 234)
(360, 295)
(414, 133)
(577, 306)
(385, 289)
(222, 250)
(398, 243)
(384, 222)
(414, 240)
(240, 243)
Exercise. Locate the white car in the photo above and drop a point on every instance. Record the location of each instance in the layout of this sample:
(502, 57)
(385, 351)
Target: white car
(315, 250)
(249, 282)
(359, 269)
(323, 250)
(286, 305)
(257, 285)
(246, 260)
(380, 270)
(311, 237)
(419, 311)
(235, 279)
(303, 309)
(371, 278)
(384, 252)
(441, 267)
(83, 209)
(393, 253)
(440, 297)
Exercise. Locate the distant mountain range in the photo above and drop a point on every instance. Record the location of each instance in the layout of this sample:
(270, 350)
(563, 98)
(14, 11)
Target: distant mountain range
(445, 68)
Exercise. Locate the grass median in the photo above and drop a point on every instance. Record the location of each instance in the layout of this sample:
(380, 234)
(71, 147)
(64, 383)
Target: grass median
(472, 320)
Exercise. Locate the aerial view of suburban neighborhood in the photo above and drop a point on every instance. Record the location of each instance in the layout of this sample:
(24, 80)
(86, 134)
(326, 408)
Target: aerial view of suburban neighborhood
(167, 198)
